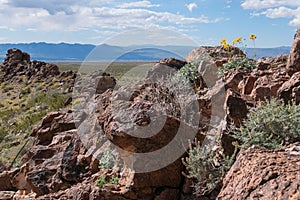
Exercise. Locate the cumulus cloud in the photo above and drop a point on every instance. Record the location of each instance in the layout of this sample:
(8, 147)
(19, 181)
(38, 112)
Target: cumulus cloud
(71, 15)
(191, 6)
(275, 9)
(280, 12)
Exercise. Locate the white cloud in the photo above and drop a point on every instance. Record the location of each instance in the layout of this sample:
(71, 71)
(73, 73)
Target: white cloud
(48, 17)
(275, 9)
(261, 4)
(88, 18)
(191, 6)
(138, 4)
(280, 12)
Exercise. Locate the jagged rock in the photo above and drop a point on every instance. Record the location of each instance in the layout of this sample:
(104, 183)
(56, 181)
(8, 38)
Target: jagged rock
(247, 84)
(277, 61)
(293, 64)
(52, 123)
(261, 174)
(291, 89)
(6, 180)
(236, 108)
(7, 195)
(16, 56)
(104, 83)
(17, 64)
(218, 54)
(233, 79)
(268, 83)
(174, 63)
(56, 161)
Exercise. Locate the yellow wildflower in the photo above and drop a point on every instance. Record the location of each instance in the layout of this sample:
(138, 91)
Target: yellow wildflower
(252, 36)
(226, 46)
(236, 40)
(223, 41)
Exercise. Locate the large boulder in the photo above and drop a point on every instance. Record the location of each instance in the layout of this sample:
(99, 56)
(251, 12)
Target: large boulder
(261, 174)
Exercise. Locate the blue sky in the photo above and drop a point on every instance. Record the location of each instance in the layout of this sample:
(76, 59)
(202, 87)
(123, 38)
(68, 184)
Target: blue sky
(205, 22)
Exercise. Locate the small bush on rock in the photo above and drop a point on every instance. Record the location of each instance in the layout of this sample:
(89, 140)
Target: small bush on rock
(190, 71)
(244, 63)
(107, 160)
(207, 167)
(103, 179)
(270, 125)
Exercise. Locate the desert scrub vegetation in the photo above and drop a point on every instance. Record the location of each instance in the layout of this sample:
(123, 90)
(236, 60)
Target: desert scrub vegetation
(190, 71)
(271, 125)
(107, 160)
(18, 121)
(206, 166)
(243, 63)
(23, 117)
(104, 179)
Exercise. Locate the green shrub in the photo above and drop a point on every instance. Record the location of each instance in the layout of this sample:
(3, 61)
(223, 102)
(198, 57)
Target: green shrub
(190, 71)
(244, 63)
(103, 179)
(107, 160)
(270, 125)
(52, 100)
(207, 167)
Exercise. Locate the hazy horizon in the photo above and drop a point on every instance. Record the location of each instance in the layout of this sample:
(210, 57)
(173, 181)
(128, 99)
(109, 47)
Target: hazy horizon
(204, 22)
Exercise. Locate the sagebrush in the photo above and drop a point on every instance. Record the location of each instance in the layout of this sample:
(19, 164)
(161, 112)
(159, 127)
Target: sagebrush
(207, 167)
(271, 125)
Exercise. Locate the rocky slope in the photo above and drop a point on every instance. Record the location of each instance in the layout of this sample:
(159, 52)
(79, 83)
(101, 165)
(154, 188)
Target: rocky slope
(74, 154)
(28, 91)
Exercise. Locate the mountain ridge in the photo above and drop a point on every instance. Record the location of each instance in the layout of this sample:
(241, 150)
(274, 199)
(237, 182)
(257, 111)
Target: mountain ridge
(105, 52)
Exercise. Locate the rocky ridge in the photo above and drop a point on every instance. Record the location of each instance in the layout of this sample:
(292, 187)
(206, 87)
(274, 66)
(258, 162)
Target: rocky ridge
(60, 166)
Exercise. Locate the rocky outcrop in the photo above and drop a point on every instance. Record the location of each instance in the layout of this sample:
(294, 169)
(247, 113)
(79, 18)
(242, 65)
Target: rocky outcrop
(66, 159)
(218, 54)
(293, 64)
(18, 64)
(15, 57)
(262, 174)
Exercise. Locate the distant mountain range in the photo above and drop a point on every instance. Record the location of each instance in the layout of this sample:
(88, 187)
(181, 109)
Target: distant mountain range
(79, 52)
